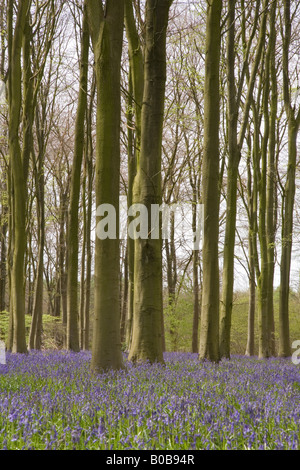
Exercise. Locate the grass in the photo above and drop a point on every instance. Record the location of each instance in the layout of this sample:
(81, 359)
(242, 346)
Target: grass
(183, 320)
(51, 329)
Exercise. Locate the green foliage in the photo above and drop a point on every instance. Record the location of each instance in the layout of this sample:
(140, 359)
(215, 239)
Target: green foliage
(51, 329)
(178, 323)
(4, 320)
(180, 319)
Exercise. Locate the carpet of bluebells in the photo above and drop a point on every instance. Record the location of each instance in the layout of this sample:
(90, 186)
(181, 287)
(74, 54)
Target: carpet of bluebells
(51, 400)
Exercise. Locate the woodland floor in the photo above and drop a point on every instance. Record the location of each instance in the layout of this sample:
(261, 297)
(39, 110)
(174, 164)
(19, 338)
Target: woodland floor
(51, 400)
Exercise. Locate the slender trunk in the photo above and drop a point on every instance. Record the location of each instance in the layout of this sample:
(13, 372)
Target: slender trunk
(286, 246)
(3, 259)
(130, 242)
(271, 201)
(63, 259)
(19, 176)
(196, 303)
(36, 324)
(289, 193)
(252, 286)
(87, 296)
(235, 144)
(209, 333)
(124, 307)
(73, 241)
(135, 99)
(263, 303)
(172, 280)
(9, 341)
(231, 194)
(89, 166)
(82, 268)
(251, 312)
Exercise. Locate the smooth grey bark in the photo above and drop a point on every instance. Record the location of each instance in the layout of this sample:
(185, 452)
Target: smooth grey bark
(293, 119)
(19, 167)
(135, 99)
(3, 256)
(271, 197)
(73, 237)
(209, 332)
(106, 29)
(90, 179)
(147, 339)
(251, 195)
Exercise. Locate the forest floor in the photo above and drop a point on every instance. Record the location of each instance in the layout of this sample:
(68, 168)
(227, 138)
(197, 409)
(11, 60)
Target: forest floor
(51, 400)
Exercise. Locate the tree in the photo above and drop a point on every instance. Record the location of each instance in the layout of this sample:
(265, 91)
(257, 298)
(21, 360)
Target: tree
(209, 332)
(41, 99)
(293, 120)
(235, 144)
(3, 170)
(106, 30)
(148, 307)
(251, 212)
(87, 227)
(271, 198)
(135, 99)
(19, 161)
(73, 242)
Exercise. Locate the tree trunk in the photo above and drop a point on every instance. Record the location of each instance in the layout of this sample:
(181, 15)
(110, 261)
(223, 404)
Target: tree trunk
(263, 302)
(9, 341)
(231, 193)
(124, 305)
(36, 324)
(135, 99)
(132, 154)
(209, 333)
(3, 258)
(19, 176)
(172, 281)
(73, 242)
(286, 244)
(90, 173)
(289, 193)
(83, 262)
(148, 303)
(235, 144)
(106, 30)
(251, 312)
(196, 302)
(271, 217)
(251, 194)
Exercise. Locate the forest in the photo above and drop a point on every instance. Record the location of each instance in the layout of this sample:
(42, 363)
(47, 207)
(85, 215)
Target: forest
(149, 224)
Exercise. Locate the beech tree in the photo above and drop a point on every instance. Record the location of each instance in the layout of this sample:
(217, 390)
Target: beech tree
(73, 242)
(209, 329)
(19, 161)
(41, 49)
(148, 303)
(293, 119)
(150, 121)
(4, 168)
(136, 92)
(106, 30)
(235, 144)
